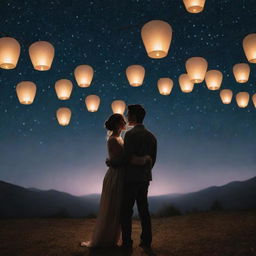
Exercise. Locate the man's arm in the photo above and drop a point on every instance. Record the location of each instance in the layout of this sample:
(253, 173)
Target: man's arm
(154, 152)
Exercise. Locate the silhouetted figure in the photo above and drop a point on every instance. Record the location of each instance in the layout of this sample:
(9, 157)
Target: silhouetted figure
(137, 142)
(107, 229)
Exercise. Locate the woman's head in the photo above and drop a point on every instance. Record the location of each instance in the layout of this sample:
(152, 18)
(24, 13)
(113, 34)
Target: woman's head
(115, 123)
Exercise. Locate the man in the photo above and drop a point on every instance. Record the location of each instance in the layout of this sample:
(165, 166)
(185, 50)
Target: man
(139, 142)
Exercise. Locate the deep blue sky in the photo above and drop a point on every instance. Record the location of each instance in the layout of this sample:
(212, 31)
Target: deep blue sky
(201, 141)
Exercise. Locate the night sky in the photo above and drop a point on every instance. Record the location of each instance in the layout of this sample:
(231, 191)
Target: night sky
(201, 142)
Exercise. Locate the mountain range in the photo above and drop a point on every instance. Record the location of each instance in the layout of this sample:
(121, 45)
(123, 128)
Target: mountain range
(20, 202)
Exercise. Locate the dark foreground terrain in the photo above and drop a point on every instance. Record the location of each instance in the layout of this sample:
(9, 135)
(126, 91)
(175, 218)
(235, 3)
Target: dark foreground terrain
(200, 234)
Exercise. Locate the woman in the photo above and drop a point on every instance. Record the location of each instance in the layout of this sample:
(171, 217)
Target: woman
(107, 229)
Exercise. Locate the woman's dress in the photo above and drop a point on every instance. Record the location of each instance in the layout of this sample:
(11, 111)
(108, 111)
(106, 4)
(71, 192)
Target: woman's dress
(107, 229)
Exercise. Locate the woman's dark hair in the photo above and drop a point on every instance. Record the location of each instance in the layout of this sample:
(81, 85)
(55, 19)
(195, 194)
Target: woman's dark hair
(138, 111)
(113, 121)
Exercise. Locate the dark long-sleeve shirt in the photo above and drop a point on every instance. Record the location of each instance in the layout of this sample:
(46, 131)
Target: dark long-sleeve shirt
(139, 142)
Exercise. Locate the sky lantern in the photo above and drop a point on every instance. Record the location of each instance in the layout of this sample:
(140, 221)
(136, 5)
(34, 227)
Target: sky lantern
(254, 99)
(84, 75)
(242, 99)
(63, 116)
(194, 6)
(213, 79)
(135, 75)
(63, 88)
(157, 36)
(241, 72)
(249, 45)
(92, 103)
(226, 96)
(186, 85)
(9, 52)
(118, 106)
(26, 92)
(41, 54)
(196, 68)
(165, 86)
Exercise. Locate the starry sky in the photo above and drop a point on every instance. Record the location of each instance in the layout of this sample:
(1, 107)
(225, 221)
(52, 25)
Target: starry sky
(201, 142)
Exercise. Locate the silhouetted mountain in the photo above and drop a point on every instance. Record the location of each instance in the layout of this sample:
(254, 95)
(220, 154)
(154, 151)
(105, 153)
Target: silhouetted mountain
(16, 201)
(237, 195)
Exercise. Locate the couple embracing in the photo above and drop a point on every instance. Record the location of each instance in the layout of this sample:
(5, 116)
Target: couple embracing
(127, 180)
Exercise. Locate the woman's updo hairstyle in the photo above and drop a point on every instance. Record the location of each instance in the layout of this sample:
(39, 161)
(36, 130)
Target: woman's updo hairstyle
(113, 122)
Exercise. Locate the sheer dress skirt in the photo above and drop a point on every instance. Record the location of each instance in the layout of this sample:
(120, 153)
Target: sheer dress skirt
(107, 229)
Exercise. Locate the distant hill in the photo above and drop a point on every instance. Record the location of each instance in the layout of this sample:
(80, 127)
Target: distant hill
(19, 202)
(237, 195)
(16, 201)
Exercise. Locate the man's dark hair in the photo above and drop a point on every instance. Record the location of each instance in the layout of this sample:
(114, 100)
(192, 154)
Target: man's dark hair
(138, 111)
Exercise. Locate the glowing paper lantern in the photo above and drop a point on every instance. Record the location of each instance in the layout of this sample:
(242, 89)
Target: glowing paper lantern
(41, 54)
(165, 86)
(196, 68)
(242, 99)
(118, 106)
(135, 75)
(26, 92)
(213, 79)
(241, 72)
(194, 6)
(249, 45)
(186, 85)
(254, 99)
(156, 36)
(226, 96)
(92, 103)
(63, 88)
(84, 75)
(63, 116)
(9, 52)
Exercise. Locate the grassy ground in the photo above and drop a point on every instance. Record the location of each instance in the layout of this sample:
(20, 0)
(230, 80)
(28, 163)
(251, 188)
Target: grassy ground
(201, 234)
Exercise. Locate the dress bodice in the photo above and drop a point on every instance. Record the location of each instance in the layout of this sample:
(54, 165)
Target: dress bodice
(115, 147)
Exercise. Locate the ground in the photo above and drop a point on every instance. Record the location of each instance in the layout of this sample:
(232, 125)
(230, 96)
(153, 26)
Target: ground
(200, 234)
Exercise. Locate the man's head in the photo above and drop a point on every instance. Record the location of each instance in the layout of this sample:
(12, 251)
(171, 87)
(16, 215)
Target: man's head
(136, 114)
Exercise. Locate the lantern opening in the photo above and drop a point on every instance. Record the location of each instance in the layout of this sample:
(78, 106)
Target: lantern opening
(196, 81)
(7, 66)
(136, 84)
(42, 67)
(195, 9)
(157, 54)
(84, 85)
(252, 60)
